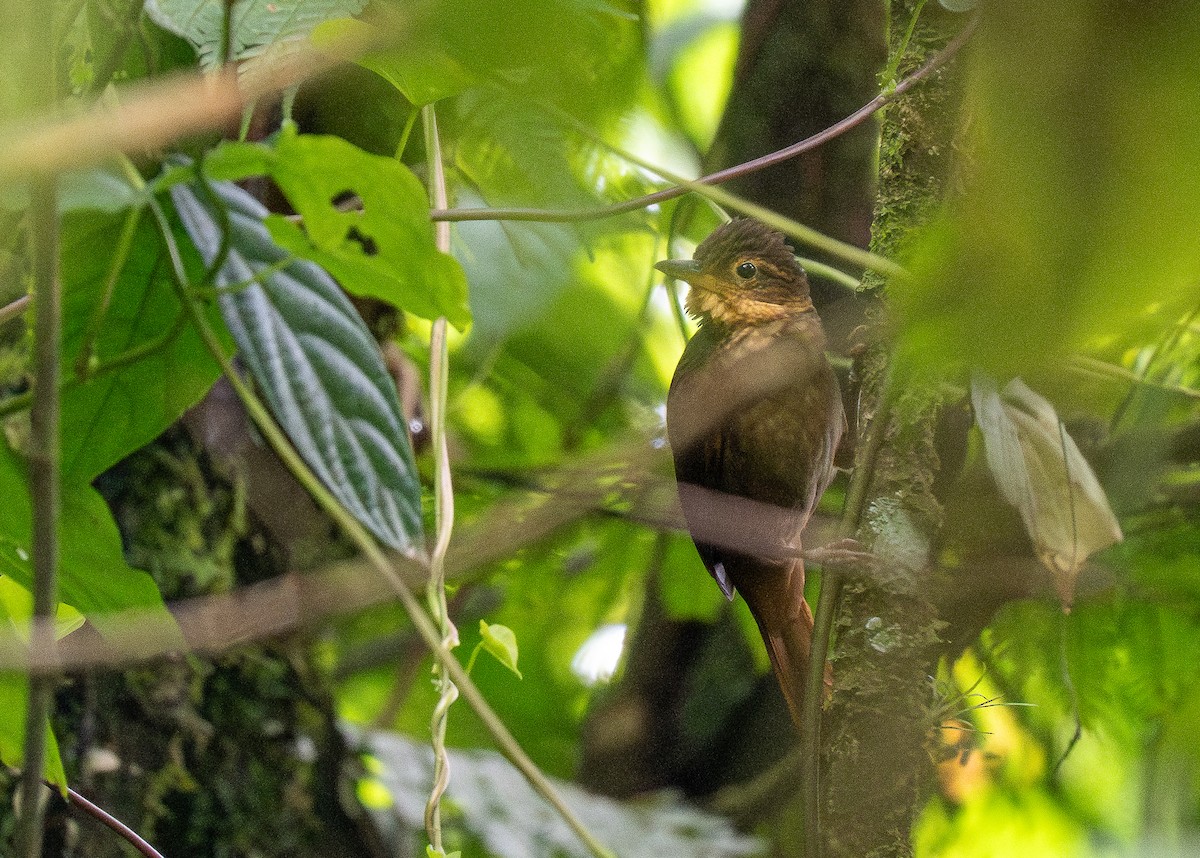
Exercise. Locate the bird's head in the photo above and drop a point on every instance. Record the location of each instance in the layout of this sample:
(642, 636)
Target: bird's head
(742, 274)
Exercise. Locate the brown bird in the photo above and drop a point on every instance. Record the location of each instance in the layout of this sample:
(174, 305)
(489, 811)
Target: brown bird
(754, 416)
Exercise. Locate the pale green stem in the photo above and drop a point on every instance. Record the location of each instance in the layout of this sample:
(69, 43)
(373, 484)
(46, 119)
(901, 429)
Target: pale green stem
(443, 493)
(124, 244)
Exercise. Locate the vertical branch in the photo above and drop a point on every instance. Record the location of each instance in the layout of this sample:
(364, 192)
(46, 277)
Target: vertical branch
(41, 73)
(44, 484)
(443, 501)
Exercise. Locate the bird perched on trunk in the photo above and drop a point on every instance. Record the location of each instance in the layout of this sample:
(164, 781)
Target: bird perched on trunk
(754, 416)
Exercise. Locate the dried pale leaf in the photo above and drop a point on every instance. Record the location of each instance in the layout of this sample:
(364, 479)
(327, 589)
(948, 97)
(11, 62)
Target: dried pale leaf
(1039, 470)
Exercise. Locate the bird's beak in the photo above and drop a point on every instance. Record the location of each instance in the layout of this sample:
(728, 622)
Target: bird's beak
(686, 270)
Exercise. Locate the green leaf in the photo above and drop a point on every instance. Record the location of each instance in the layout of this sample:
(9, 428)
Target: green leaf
(404, 268)
(501, 642)
(422, 74)
(233, 161)
(113, 413)
(100, 188)
(317, 365)
(256, 25)
(93, 576)
(14, 692)
(17, 603)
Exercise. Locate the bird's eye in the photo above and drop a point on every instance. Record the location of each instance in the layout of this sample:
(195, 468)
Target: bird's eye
(746, 270)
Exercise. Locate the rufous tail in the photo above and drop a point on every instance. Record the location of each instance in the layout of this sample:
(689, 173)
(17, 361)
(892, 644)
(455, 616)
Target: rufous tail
(774, 592)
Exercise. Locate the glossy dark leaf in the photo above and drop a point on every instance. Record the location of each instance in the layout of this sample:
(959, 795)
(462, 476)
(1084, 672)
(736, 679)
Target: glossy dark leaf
(315, 362)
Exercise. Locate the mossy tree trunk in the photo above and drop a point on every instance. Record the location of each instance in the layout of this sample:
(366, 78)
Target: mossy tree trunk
(877, 766)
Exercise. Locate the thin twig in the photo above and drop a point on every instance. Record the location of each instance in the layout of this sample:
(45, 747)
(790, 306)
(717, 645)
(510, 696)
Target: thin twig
(1064, 669)
(796, 230)
(95, 811)
(46, 493)
(12, 310)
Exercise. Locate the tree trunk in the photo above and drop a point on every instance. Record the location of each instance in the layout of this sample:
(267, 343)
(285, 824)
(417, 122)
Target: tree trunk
(877, 769)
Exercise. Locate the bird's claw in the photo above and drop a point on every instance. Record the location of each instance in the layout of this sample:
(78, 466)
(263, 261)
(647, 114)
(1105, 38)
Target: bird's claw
(844, 552)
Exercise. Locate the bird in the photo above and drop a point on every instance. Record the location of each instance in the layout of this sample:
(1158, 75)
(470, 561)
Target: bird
(754, 418)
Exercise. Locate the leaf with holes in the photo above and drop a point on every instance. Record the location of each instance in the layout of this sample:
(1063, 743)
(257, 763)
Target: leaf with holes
(316, 363)
(386, 250)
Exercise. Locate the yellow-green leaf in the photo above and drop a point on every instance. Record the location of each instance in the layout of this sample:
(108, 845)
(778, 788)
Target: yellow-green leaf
(502, 643)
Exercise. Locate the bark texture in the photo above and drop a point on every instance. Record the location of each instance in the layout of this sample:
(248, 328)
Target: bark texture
(888, 632)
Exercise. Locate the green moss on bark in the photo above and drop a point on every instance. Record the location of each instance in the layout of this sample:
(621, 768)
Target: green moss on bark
(877, 769)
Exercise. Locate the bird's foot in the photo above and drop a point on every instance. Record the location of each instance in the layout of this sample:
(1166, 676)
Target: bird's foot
(845, 552)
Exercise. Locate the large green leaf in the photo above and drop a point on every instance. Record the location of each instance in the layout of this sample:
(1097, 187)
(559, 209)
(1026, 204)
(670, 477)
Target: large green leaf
(256, 25)
(93, 576)
(114, 413)
(318, 366)
(404, 266)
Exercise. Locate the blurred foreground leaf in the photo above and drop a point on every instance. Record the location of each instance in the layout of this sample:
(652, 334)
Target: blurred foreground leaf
(1076, 226)
(419, 71)
(254, 27)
